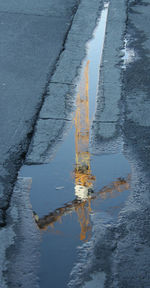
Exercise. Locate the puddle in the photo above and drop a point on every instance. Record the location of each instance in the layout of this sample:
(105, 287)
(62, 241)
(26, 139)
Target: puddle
(76, 184)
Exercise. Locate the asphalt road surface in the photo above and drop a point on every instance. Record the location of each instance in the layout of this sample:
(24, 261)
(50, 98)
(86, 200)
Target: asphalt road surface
(32, 38)
(42, 45)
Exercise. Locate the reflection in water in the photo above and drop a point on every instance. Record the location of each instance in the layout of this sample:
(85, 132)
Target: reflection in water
(84, 198)
(83, 177)
(82, 173)
(108, 191)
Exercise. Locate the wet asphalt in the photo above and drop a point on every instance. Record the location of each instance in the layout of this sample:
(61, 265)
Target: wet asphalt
(32, 38)
(121, 251)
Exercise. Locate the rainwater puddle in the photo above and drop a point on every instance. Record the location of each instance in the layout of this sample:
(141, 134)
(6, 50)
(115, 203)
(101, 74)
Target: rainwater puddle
(76, 184)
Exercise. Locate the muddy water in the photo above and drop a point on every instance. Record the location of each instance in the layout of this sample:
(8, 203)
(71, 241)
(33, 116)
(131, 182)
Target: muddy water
(76, 184)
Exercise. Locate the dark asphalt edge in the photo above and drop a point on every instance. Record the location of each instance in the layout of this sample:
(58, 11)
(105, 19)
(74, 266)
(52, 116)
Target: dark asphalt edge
(14, 162)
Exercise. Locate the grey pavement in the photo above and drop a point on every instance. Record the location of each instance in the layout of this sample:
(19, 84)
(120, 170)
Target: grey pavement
(33, 35)
(132, 270)
(22, 251)
(118, 255)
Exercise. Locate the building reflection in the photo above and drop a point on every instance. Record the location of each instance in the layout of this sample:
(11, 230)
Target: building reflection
(84, 179)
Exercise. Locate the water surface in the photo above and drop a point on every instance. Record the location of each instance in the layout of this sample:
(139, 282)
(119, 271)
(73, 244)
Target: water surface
(76, 184)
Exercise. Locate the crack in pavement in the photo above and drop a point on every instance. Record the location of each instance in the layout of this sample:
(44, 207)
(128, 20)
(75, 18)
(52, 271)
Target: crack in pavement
(51, 118)
(65, 83)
